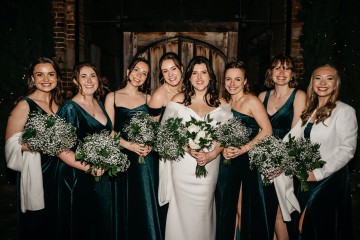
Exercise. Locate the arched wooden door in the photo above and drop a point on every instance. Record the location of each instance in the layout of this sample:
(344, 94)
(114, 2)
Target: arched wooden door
(214, 46)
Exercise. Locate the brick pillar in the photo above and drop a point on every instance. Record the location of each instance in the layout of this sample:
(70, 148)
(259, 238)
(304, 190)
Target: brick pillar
(295, 41)
(64, 29)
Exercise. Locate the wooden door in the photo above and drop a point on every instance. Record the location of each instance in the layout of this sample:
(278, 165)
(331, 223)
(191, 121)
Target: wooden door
(218, 47)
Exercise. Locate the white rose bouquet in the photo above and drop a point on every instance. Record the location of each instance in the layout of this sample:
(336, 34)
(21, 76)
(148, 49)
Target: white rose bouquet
(268, 157)
(304, 156)
(101, 151)
(171, 139)
(232, 133)
(142, 129)
(199, 136)
(48, 134)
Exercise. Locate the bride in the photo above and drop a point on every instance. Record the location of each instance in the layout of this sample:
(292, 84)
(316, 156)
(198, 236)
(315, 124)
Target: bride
(191, 213)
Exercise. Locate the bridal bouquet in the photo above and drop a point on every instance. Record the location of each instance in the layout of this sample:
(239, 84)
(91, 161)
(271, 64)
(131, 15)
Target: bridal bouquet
(101, 151)
(171, 139)
(304, 156)
(47, 133)
(199, 136)
(268, 157)
(232, 133)
(142, 129)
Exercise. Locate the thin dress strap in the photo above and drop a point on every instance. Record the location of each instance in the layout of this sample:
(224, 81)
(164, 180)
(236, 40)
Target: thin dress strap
(267, 94)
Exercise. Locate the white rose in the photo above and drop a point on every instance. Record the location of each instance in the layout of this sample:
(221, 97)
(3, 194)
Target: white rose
(193, 128)
(193, 145)
(201, 134)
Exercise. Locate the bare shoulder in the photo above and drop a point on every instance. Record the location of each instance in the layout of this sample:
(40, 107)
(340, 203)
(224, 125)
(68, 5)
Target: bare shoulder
(300, 94)
(21, 108)
(178, 97)
(262, 96)
(253, 100)
(110, 96)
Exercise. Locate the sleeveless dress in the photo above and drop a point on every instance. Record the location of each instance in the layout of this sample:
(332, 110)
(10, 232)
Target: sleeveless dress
(328, 205)
(137, 208)
(40, 224)
(231, 177)
(192, 212)
(281, 124)
(84, 205)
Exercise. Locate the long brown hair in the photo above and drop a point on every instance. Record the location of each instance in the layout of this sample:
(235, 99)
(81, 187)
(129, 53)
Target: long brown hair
(145, 88)
(283, 60)
(312, 99)
(56, 95)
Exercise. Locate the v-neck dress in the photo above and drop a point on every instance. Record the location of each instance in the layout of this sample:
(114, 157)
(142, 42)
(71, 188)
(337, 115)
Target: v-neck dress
(192, 213)
(84, 205)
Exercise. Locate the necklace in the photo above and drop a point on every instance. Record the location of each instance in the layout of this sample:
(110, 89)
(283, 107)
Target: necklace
(238, 99)
(169, 89)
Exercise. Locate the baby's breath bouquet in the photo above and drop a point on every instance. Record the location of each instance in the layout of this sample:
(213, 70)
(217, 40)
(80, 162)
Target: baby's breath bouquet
(101, 151)
(232, 133)
(171, 139)
(268, 156)
(47, 133)
(304, 156)
(199, 136)
(142, 129)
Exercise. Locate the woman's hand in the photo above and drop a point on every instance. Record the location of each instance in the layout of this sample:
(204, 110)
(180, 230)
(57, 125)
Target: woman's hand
(97, 173)
(233, 152)
(139, 149)
(202, 157)
(311, 177)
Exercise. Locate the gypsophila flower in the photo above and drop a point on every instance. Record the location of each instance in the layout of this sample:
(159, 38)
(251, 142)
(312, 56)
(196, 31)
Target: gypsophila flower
(199, 136)
(304, 156)
(47, 133)
(268, 156)
(101, 151)
(142, 129)
(171, 138)
(232, 133)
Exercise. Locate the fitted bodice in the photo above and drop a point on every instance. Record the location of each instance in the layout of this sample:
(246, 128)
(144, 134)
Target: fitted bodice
(249, 122)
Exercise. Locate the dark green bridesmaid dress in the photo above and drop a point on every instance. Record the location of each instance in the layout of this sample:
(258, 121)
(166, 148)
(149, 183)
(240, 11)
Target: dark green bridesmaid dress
(39, 224)
(281, 124)
(85, 208)
(137, 207)
(231, 177)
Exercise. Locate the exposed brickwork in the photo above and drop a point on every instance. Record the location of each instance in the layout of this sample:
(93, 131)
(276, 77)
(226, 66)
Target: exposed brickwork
(295, 41)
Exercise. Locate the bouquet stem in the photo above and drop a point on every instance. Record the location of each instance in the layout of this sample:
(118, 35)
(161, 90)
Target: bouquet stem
(200, 171)
(304, 186)
(141, 160)
(227, 161)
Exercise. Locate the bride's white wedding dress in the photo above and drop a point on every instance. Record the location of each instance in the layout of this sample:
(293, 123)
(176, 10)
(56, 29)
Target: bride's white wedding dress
(191, 214)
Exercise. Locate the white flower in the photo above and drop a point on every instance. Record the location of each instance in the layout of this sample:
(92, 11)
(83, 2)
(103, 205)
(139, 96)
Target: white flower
(193, 128)
(193, 144)
(201, 134)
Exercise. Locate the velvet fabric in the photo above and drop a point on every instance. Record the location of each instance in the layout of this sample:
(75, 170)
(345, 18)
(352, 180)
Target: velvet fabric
(231, 177)
(138, 214)
(84, 205)
(39, 224)
(281, 124)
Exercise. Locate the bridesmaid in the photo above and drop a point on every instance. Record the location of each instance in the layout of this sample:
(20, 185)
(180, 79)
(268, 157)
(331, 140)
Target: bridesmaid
(326, 207)
(240, 199)
(136, 189)
(84, 205)
(36, 215)
(171, 79)
(284, 104)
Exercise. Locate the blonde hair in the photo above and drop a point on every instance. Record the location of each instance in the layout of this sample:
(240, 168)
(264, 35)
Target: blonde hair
(312, 99)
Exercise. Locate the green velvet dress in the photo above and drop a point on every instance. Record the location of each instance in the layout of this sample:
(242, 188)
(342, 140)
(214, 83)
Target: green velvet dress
(39, 224)
(137, 209)
(231, 177)
(84, 205)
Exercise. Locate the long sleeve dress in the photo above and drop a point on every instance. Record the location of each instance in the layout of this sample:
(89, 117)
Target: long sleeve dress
(137, 208)
(84, 205)
(231, 177)
(191, 214)
(327, 203)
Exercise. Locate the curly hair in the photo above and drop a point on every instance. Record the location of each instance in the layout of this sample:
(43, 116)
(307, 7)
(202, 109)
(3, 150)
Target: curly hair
(145, 88)
(312, 99)
(238, 65)
(283, 60)
(56, 95)
(211, 96)
(76, 74)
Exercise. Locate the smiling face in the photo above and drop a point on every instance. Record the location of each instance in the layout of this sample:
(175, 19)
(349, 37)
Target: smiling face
(171, 73)
(44, 77)
(88, 80)
(281, 74)
(234, 80)
(200, 77)
(138, 75)
(325, 81)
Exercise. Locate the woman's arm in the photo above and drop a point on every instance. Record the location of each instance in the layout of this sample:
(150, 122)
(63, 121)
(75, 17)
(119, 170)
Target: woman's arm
(299, 106)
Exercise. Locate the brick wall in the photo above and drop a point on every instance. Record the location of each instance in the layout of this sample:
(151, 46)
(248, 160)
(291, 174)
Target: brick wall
(295, 41)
